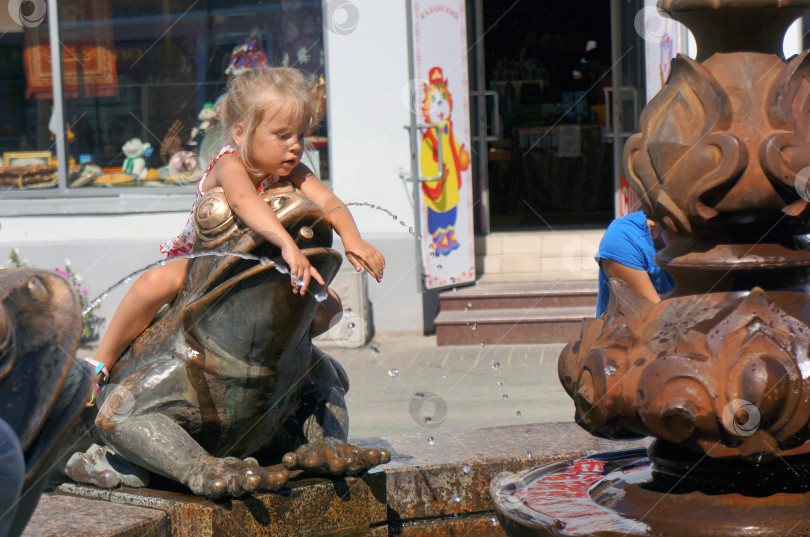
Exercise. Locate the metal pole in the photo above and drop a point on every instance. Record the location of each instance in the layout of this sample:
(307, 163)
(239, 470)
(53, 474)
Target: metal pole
(616, 76)
(483, 155)
(58, 93)
(412, 135)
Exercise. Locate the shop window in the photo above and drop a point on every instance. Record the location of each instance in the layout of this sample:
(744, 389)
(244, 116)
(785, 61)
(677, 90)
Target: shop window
(141, 79)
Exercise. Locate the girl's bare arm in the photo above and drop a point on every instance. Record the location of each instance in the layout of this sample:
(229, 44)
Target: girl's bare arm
(360, 253)
(259, 217)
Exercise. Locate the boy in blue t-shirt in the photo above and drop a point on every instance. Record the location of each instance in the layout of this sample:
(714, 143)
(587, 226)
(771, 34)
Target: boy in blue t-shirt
(627, 252)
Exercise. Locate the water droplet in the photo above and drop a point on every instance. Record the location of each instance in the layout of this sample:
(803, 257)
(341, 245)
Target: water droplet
(403, 224)
(454, 289)
(483, 345)
(444, 376)
(428, 420)
(411, 231)
(494, 521)
(396, 217)
(469, 304)
(162, 263)
(264, 260)
(528, 432)
(393, 372)
(529, 454)
(466, 468)
(418, 395)
(519, 414)
(473, 326)
(505, 397)
(350, 327)
(452, 279)
(430, 440)
(432, 254)
(321, 295)
(611, 368)
(439, 267)
(495, 366)
(456, 497)
(500, 383)
(374, 350)
(419, 236)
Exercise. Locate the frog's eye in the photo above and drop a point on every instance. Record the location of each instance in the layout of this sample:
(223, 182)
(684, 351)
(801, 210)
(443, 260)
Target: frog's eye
(37, 290)
(212, 217)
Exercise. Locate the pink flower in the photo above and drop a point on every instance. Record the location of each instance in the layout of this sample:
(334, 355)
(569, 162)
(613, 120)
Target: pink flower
(78, 284)
(84, 291)
(62, 272)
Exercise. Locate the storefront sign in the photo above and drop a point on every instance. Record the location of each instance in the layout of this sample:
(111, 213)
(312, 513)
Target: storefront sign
(661, 44)
(442, 91)
(629, 201)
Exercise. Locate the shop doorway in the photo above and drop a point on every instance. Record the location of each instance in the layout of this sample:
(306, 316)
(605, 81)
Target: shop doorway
(540, 77)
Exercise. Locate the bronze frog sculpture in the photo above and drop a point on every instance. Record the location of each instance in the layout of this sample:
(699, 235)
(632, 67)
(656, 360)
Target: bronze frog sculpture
(40, 401)
(227, 378)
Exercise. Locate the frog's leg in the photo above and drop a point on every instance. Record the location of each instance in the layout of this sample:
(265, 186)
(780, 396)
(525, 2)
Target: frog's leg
(326, 428)
(140, 419)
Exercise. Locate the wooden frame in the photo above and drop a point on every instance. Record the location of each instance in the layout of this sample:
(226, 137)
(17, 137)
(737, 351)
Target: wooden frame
(26, 158)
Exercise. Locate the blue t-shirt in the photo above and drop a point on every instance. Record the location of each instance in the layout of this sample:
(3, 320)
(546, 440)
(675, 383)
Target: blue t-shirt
(628, 241)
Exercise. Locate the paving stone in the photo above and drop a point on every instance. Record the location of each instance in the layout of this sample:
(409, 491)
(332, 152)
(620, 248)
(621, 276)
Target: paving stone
(59, 515)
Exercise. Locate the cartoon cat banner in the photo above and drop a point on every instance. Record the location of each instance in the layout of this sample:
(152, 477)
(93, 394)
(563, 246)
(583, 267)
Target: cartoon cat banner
(439, 41)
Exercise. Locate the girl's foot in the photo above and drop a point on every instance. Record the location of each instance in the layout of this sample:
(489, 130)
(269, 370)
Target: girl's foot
(100, 368)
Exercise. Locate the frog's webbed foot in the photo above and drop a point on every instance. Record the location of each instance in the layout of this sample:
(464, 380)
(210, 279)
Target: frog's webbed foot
(216, 478)
(100, 466)
(335, 458)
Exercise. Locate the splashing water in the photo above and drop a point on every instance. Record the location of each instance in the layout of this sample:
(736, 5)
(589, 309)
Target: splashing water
(358, 204)
(250, 257)
(322, 295)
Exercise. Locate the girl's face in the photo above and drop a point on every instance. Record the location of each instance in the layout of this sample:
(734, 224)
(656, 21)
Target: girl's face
(275, 148)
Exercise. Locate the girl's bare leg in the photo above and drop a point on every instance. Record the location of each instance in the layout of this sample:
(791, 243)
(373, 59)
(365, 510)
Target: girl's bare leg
(327, 315)
(138, 308)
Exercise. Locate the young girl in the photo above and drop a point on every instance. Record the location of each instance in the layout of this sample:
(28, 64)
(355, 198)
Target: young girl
(264, 116)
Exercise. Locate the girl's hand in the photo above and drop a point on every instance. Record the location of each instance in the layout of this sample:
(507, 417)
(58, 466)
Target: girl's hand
(362, 255)
(300, 269)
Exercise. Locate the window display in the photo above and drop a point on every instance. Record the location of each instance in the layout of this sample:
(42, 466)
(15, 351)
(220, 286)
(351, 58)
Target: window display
(141, 83)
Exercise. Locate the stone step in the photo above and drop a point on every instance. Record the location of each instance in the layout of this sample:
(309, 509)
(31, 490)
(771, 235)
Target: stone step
(510, 325)
(521, 295)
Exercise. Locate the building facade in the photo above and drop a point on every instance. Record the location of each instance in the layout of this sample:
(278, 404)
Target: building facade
(103, 137)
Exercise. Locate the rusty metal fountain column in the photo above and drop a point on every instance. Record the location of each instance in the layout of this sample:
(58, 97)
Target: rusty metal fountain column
(718, 372)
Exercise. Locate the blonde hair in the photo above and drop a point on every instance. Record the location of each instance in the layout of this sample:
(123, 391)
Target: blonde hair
(265, 90)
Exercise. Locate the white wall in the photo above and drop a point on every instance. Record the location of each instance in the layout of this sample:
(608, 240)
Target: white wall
(103, 249)
(368, 108)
